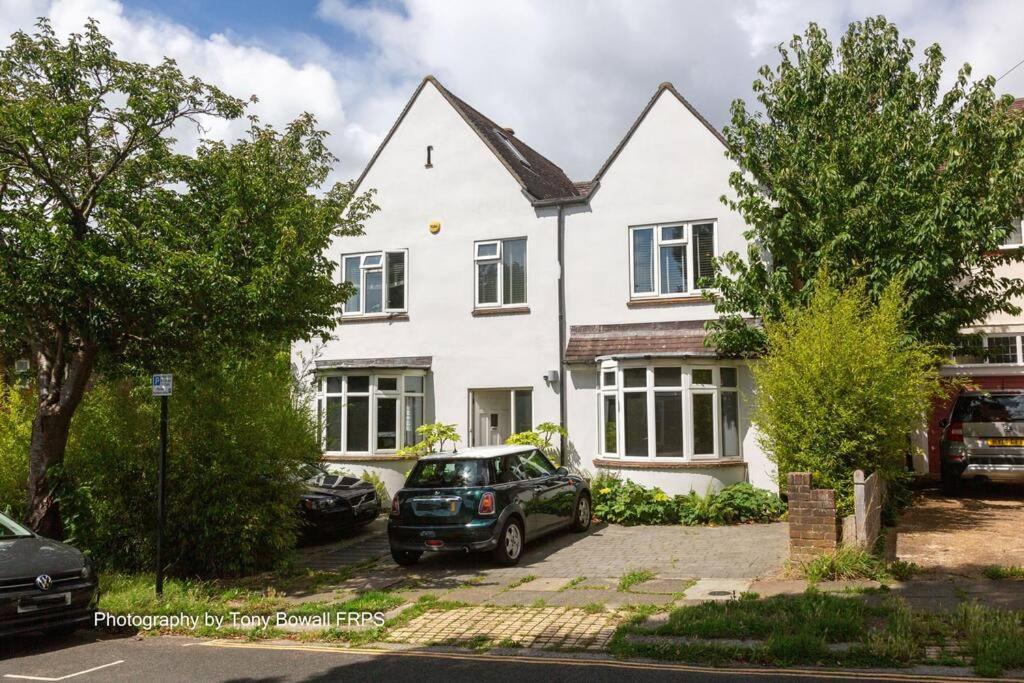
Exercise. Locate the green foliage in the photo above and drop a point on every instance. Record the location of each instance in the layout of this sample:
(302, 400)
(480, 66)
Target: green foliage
(854, 162)
(625, 502)
(15, 431)
(844, 563)
(378, 484)
(433, 438)
(236, 441)
(119, 251)
(841, 387)
(633, 578)
(541, 437)
(998, 573)
(992, 637)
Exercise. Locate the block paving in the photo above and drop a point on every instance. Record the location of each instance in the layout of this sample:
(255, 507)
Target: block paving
(551, 627)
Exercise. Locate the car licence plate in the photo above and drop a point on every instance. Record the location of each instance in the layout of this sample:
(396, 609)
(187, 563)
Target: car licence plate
(50, 601)
(1012, 443)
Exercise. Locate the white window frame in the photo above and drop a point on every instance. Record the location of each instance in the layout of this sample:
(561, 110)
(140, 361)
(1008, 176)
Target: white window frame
(496, 258)
(1015, 245)
(1016, 337)
(687, 241)
(688, 389)
(373, 393)
(381, 265)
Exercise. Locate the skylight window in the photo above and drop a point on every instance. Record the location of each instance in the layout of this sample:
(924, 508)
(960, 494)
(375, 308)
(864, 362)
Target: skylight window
(512, 148)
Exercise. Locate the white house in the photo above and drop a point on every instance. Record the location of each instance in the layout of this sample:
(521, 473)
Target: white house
(495, 293)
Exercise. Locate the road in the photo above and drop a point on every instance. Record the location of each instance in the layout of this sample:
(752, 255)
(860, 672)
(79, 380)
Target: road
(89, 657)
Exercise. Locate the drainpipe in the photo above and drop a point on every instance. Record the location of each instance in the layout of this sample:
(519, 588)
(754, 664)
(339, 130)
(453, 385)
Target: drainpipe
(562, 399)
(561, 203)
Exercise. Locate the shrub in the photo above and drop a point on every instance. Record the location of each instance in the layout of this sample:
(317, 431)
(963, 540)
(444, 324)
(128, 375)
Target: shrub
(541, 437)
(625, 502)
(433, 438)
(236, 439)
(841, 387)
(844, 563)
(15, 432)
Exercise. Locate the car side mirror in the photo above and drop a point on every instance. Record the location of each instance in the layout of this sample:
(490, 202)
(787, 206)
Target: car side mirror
(944, 422)
(562, 471)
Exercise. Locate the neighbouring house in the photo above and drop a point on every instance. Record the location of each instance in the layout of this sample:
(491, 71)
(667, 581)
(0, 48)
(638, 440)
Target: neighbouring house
(495, 293)
(997, 364)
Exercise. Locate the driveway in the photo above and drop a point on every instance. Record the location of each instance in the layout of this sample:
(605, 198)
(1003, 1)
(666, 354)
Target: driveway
(667, 563)
(961, 536)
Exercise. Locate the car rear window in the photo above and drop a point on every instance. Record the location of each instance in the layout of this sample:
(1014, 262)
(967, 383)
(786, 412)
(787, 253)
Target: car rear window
(451, 473)
(989, 408)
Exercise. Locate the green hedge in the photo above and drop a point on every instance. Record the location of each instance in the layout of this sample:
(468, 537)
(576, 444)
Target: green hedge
(15, 432)
(237, 436)
(625, 502)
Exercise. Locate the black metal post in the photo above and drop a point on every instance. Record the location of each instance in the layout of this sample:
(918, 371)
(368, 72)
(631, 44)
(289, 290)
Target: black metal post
(161, 479)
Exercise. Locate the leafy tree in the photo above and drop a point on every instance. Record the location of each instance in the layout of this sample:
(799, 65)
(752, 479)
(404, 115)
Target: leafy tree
(841, 387)
(117, 249)
(859, 165)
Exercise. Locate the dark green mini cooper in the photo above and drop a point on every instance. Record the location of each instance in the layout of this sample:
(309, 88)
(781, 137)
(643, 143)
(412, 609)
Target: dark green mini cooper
(493, 498)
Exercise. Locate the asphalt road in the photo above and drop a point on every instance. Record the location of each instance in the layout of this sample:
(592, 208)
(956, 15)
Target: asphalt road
(88, 657)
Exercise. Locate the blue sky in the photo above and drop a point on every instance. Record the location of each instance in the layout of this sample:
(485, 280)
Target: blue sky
(568, 75)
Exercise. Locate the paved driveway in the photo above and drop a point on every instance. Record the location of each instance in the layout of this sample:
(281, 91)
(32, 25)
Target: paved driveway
(743, 551)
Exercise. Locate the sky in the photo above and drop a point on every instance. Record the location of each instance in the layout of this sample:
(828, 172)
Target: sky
(569, 76)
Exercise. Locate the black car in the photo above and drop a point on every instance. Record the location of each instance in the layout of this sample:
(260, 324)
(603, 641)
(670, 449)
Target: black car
(334, 503)
(44, 585)
(484, 499)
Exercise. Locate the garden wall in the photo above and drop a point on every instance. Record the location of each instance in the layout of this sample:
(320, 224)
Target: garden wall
(813, 526)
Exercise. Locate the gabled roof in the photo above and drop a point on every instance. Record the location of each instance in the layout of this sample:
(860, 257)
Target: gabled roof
(539, 177)
(663, 87)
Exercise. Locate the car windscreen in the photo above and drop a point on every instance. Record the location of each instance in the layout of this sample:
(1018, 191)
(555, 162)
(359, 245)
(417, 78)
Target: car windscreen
(448, 473)
(11, 529)
(989, 408)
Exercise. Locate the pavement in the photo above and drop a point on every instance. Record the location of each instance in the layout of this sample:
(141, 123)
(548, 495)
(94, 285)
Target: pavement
(88, 657)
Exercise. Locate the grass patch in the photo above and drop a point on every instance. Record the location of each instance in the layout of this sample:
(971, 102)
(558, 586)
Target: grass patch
(634, 577)
(901, 570)
(593, 607)
(522, 580)
(539, 604)
(509, 644)
(373, 601)
(999, 573)
(991, 637)
(572, 584)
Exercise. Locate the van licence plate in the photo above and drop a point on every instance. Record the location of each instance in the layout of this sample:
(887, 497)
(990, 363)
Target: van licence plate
(1004, 443)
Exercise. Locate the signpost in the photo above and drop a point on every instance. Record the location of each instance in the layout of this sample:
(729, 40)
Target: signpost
(163, 385)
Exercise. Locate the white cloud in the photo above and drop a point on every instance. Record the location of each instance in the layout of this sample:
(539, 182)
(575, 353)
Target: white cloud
(569, 76)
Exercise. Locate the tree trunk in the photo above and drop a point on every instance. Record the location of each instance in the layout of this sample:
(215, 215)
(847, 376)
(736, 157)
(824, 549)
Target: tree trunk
(61, 387)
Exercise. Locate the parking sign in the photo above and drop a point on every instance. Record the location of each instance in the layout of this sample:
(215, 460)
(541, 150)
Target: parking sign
(163, 385)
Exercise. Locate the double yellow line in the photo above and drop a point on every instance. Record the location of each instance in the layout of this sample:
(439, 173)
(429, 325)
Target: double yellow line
(611, 663)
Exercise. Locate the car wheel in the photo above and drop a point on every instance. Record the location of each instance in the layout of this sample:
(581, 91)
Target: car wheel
(405, 558)
(510, 543)
(582, 514)
(952, 482)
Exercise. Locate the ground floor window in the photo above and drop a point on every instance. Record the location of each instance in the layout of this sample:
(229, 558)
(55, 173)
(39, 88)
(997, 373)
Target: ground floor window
(363, 412)
(669, 411)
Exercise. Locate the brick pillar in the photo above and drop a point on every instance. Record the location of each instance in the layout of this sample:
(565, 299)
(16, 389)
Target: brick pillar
(813, 526)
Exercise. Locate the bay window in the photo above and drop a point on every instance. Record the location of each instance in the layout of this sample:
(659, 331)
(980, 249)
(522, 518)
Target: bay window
(670, 259)
(669, 411)
(500, 272)
(360, 411)
(380, 282)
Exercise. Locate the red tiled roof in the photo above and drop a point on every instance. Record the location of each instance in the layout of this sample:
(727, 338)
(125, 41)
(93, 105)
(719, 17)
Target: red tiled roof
(677, 338)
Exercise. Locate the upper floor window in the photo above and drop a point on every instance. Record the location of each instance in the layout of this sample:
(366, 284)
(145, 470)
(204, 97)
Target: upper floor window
(998, 349)
(380, 281)
(500, 272)
(671, 259)
(1016, 237)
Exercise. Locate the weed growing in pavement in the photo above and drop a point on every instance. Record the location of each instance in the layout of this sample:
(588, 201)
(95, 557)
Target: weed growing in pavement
(634, 577)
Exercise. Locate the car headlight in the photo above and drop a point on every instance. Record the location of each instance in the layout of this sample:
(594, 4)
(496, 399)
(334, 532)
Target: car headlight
(86, 569)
